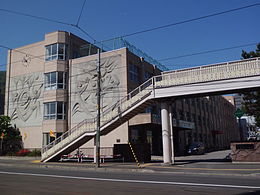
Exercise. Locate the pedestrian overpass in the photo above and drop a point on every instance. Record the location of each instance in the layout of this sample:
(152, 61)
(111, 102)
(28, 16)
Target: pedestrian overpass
(228, 77)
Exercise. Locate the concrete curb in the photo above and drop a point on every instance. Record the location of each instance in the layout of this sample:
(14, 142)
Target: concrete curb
(126, 170)
(81, 168)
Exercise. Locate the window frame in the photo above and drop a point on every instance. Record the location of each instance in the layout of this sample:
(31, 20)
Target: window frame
(50, 115)
(134, 73)
(50, 85)
(59, 54)
(147, 75)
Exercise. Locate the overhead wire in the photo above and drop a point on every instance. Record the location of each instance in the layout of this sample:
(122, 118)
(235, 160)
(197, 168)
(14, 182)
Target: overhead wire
(80, 13)
(208, 51)
(36, 17)
(187, 21)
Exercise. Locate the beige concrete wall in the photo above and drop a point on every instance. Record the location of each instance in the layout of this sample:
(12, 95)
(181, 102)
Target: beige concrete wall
(55, 65)
(57, 126)
(55, 95)
(25, 89)
(24, 92)
(28, 59)
(56, 37)
(32, 137)
(143, 118)
(120, 133)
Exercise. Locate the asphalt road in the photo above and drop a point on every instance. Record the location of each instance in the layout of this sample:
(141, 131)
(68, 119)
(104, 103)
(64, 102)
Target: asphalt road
(33, 180)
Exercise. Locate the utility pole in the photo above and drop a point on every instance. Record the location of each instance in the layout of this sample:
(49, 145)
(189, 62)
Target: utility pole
(97, 141)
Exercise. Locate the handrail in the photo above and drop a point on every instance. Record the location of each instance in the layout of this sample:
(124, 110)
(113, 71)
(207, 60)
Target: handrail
(234, 69)
(228, 70)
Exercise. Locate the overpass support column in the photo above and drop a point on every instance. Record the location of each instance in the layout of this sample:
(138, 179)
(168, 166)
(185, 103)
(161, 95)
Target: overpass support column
(171, 135)
(166, 132)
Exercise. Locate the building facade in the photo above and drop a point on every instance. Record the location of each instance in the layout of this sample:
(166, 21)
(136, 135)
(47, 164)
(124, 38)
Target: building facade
(2, 91)
(51, 86)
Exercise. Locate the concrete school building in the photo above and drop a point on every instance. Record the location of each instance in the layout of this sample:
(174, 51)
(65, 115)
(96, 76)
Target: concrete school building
(51, 87)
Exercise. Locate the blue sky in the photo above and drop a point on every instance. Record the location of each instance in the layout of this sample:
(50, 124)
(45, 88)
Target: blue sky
(105, 19)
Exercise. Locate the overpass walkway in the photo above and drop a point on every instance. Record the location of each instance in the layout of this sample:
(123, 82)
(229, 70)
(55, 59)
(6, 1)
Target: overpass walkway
(209, 79)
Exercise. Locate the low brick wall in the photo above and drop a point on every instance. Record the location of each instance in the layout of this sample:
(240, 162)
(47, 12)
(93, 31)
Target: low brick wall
(246, 151)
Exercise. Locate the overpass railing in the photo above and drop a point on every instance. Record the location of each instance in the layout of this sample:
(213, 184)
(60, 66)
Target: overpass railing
(228, 70)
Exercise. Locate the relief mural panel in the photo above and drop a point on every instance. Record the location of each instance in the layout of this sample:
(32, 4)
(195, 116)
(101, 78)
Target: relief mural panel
(84, 87)
(26, 108)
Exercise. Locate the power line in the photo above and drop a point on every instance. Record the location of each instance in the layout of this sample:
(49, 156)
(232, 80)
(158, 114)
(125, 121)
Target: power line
(36, 17)
(80, 13)
(82, 30)
(49, 20)
(187, 21)
(208, 51)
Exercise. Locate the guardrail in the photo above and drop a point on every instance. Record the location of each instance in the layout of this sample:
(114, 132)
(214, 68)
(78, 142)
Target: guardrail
(229, 70)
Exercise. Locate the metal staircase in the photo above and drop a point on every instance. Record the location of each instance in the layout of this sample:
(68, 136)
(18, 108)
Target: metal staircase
(122, 111)
(143, 96)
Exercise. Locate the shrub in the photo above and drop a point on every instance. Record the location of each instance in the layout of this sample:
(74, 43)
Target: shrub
(34, 153)
(22, 152)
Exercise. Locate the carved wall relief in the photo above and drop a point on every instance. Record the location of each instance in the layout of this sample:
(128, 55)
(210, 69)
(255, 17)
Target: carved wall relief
(25, 96)
(85, 87)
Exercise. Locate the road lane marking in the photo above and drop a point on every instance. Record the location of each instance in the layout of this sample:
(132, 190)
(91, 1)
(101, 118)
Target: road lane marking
(132, 181)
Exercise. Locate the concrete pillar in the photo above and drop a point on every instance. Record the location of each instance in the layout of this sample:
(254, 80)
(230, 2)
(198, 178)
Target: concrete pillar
(171, 135)
(46, 139)
(95, 151)
(165, 133)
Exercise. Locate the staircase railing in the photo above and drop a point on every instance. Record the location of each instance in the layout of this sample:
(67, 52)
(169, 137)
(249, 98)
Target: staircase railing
(118, 109)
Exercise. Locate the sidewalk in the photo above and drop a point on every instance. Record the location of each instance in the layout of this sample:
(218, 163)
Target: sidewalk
(213, 163)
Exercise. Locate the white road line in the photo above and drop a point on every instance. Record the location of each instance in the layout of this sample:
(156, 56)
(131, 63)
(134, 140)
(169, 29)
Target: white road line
(132, 181)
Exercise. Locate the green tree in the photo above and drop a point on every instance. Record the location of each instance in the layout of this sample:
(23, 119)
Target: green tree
(11, 140)
(251, 104)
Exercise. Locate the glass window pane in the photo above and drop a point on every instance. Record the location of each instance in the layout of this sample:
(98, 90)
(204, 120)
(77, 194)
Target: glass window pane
(53, 78)
(59, 108)
(48, 78)
(54, 49)
(45, 109)
(61, 48)
(47, 53)
(59, 116)
(61, 51)
(60, 77)
(52, 108)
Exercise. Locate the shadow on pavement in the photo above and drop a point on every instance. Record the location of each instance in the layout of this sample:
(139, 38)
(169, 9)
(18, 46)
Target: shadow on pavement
(191, 161)
(201, 160)
(251, 193)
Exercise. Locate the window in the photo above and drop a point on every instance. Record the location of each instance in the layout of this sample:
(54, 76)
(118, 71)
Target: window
(188, 116)
(55, 80)
(181, 115)
(55, 51)
(147, 75)
(54, 110)
(134, 135)
(133, 73)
